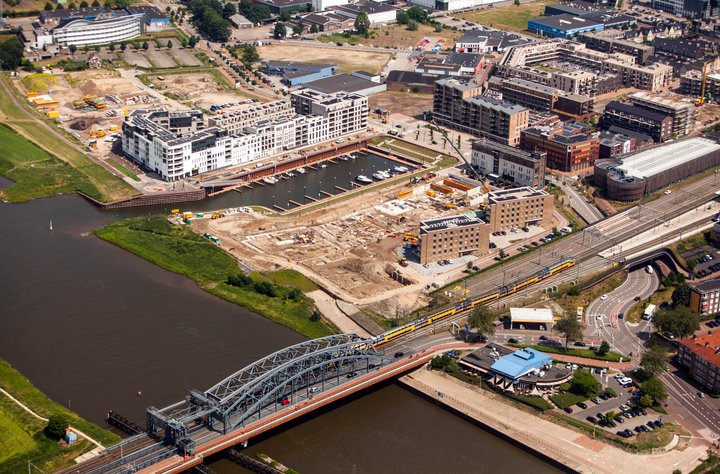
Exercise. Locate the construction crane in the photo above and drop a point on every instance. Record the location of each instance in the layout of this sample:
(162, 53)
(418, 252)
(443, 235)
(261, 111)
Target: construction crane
(459, 153)
(702, 98)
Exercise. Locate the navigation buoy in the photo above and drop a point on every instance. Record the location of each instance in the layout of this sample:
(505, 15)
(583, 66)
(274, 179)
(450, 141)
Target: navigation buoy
(139, 393)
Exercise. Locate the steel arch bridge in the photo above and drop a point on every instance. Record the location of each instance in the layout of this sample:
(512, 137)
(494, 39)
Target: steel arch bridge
(267, 385)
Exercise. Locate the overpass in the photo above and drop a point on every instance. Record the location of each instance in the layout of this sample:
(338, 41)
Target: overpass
(276, 389)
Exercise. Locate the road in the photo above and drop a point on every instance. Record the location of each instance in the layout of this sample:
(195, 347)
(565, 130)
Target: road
(580, 204)
(696, 413)
(602, 315)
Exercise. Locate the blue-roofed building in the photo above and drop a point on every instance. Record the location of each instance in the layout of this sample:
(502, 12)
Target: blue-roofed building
(563, 26)
(521, 362)
(295, 73)
(524, 370)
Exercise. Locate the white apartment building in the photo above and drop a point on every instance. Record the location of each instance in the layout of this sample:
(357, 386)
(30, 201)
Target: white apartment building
(176, 145)
(238, 120)
(89, 32)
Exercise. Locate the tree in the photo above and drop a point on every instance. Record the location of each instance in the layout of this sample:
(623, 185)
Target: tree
(83, 4)
(192, 42)
(502, 254)
(315, 316)
(169, 44)
(483, 320)
(604, 348)
(574, 291)
(72, 48)
(654, 389)
(681, 295)
(109, 4)
(402, 18)
(362, 24)
(285, 15)
(111, 47)
(438, 28)
(95, 3)
(583, 383)
(298, 28)
(412, 25)
(228, 10)
(72, 6)
(654, 360)
(517, 3)
(122, 3)
(417, 14)
(569, 327)
(279, 32)
(48, 6)
(145, 45)
(123, 46)
(249, 56)
(609, 416)
(55, 428)
(679, 321)
(314, 28)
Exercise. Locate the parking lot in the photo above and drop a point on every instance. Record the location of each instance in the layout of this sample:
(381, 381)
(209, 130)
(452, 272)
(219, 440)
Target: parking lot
(706, 258)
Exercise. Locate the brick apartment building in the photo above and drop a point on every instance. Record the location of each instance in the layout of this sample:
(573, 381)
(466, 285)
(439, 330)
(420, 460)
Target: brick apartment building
(701, 357)
(520, 207)
(569, 147)
(453, 237)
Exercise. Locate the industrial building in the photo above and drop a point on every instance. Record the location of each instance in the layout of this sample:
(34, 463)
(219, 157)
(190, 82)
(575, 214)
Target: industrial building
(571, 146)
(700, 356)
(451, 5)
(520, 207)
(630, 177)
(705, 298)
(481, 41)
(177, 145)
(453, 237)
(377, 12)
(346, 82)
(450, 64)
(563, 26)
(531, 318)
(411, 81)
(295, 73)
(525, 371)
(652, 123)
(524, 168)
(457, 105)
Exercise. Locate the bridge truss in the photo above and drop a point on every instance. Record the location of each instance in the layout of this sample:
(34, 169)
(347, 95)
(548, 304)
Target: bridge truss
(266, 386)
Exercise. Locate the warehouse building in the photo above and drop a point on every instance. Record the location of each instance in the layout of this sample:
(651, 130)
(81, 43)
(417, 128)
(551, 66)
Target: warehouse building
(295, 73)
(520, 207)
(563, 26)
(377, 12)
(450, 64)
(453, 237)
(347, 83)
(522, 167)
(481, 41)
(631, 177)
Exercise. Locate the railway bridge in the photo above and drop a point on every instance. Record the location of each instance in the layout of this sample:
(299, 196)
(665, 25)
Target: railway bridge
(276, 389)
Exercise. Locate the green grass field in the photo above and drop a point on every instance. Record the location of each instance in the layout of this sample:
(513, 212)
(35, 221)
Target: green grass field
(35, 172)
(71, 169)
(21, 436)
(567, 399)
(124, 170)
(180, 250)
(508, 18)
(585, 353)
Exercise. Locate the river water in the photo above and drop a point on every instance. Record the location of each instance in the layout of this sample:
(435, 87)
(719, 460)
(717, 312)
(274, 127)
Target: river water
(97, 328)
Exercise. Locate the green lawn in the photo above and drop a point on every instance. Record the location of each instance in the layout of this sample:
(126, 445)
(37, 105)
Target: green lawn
(180, 250)
(586, 353)
(35, 172)
(21, 436)
(567, 399)
(509, 17)
(124, 170)
(290, 277)
(51, 178)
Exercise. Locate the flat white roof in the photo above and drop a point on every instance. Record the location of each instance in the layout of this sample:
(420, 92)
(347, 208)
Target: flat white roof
(657, 160)
(531, 315)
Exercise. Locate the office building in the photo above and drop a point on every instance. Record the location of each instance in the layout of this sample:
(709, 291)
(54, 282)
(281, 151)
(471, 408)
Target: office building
(453, 237)
(522, 167)
(569, 147)
(687, 8)
(655, 124)
(520, 207)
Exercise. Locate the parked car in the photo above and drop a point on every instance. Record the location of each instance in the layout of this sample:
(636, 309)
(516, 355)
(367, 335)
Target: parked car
(591, 419)
(582, 405)
(579, 344)
(568, 410)
(595, 400)
(512, 340)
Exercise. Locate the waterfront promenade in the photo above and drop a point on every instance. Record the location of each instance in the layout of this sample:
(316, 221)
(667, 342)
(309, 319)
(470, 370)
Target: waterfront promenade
(574, 450)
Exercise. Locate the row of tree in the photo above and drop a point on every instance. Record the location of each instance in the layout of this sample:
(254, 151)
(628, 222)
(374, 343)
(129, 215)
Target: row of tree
(84, 4)
(211, 18)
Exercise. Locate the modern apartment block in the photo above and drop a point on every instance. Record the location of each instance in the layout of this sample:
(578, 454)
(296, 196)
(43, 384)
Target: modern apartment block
(453, 237)
(682, 113)
(541, 97)
(520, 207)
(523, 167)
(569, 147)
(176, 145)
(481, 116)
(655, 124)
(238, 120)
(612, 41)
(705, 297)
(587, 71)
(701, 357)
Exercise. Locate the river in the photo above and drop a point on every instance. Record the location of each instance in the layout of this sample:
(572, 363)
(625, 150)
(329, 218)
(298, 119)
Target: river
(97, 328)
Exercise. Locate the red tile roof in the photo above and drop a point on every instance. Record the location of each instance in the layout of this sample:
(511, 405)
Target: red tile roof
(707, 347)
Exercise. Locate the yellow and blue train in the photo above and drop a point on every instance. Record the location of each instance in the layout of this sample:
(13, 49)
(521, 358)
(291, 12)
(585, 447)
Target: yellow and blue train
(468, 305)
